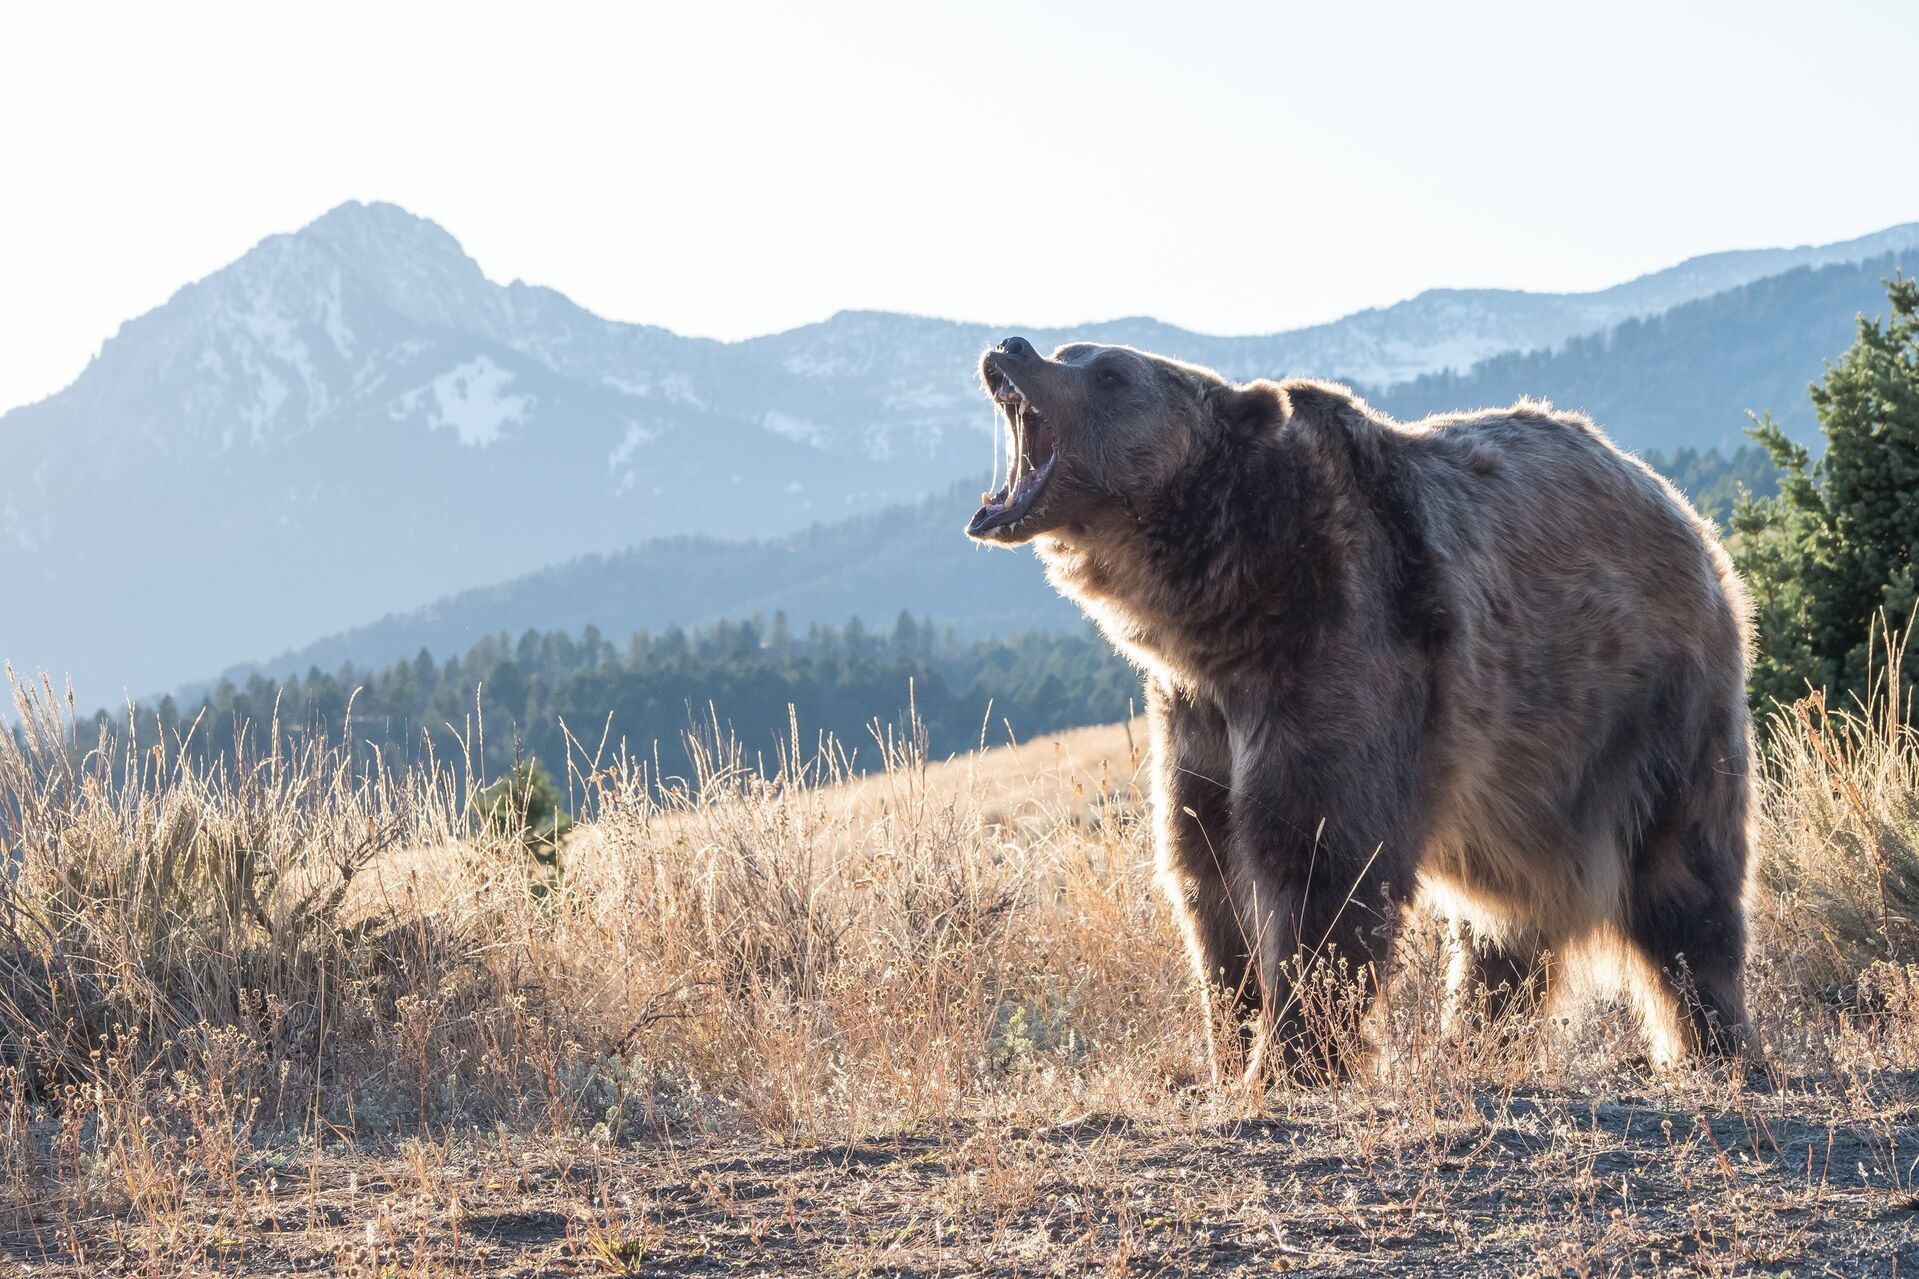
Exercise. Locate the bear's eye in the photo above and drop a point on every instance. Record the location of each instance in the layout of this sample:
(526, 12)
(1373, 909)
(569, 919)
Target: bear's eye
(1112, 376)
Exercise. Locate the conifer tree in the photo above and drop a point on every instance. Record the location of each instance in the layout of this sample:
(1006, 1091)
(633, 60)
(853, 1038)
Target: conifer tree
(1830, 560)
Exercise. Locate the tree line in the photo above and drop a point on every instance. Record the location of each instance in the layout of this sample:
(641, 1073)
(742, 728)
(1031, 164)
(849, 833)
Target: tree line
(548, 693)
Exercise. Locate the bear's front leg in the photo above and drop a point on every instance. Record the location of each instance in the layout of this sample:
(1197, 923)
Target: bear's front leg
(1192, 763)
(1320, 869)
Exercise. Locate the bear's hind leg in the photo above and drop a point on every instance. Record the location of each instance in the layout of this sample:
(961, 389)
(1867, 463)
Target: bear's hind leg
(1689, 941)
(1685, 911)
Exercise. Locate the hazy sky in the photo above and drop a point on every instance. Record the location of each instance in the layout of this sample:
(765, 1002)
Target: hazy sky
(731, 170)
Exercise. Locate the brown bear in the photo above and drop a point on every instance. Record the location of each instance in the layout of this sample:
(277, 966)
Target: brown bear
(1485, 657)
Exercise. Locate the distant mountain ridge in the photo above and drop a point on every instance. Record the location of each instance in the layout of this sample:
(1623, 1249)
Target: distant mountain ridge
(912, 556)
(352, 418)
(1689, 375)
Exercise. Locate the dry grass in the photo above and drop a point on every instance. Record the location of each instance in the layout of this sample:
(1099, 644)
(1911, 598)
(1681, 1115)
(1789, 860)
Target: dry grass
(291, 1014)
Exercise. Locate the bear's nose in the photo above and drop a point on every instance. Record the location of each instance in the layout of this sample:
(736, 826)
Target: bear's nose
(1017, 346)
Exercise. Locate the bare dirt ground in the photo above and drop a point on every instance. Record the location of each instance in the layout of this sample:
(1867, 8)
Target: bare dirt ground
(1521, 1183)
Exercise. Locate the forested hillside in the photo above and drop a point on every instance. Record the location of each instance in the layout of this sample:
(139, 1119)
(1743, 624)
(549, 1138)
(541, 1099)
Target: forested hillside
(508, 698)
(913, 557)
(1714, 480)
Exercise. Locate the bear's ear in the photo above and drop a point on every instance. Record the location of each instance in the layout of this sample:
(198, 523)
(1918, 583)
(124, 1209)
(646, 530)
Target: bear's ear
(1255, 408)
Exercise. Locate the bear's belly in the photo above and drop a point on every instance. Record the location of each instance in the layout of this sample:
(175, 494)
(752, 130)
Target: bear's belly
(1497, 883)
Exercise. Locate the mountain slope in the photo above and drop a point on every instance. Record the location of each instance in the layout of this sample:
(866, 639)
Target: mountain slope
(352, 418)
(1688, 376)
(910, 557)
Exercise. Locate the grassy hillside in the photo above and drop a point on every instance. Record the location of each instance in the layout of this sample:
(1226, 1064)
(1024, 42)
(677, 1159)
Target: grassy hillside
(294, 1014)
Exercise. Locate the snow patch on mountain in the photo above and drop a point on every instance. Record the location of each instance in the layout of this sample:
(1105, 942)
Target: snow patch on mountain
(471, 398)
(638, 387)
(679, 388)
(636, 436)
(268, 343)
(333, 314)
(264, 411)
(793, 428)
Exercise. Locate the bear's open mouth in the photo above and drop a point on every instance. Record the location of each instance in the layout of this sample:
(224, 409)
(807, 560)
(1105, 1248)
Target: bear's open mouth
(1032, 459)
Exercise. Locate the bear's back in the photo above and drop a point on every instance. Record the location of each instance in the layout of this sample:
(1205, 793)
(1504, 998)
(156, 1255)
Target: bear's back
(1547, 524)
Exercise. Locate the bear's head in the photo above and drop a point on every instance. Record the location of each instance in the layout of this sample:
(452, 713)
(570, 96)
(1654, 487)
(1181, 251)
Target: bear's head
(1097, 431)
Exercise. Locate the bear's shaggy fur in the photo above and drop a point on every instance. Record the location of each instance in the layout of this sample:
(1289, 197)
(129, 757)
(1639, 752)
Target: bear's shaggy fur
(1487, 657)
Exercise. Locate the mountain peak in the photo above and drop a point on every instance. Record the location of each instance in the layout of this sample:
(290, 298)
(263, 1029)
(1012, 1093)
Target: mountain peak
(412, 262)
(361, 225)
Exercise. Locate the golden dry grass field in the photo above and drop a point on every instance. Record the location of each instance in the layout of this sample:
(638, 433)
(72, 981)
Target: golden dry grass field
(293, 1016)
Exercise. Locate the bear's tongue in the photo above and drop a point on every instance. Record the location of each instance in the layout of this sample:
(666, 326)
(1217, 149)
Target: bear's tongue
(1011, 504)
(1032, 464)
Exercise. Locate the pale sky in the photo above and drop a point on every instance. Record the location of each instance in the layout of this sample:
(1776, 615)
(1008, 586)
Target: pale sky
(732, 169)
